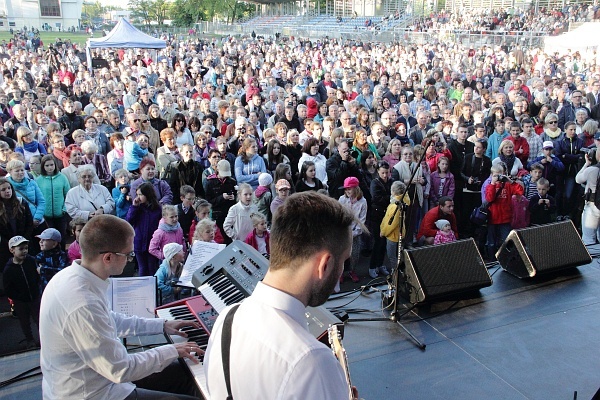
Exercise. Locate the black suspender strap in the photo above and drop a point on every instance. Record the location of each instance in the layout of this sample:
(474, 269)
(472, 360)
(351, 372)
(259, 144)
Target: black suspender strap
(226, 348)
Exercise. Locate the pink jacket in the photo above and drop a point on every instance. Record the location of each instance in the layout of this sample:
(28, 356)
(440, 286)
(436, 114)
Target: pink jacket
(160, 238)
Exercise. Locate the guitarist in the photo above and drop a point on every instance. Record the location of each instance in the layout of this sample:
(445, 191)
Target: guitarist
(272, 354)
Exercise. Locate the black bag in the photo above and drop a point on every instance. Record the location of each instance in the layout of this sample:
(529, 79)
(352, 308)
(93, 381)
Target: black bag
(480, 215)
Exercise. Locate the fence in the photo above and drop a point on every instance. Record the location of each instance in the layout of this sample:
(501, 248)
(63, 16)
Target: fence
(402, 35)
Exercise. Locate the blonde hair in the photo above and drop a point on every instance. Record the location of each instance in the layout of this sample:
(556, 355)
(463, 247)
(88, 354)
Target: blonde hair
(13, 164)
(257, 218)
(201, 226)
(168, 208)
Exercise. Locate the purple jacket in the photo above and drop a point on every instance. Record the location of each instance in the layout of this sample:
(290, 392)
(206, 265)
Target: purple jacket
(162, 188)
(145, 223)
(436, 181)
(160, 238)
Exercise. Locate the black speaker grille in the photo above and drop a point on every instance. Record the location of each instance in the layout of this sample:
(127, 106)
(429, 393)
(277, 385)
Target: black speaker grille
(554, 246)
(446, 269)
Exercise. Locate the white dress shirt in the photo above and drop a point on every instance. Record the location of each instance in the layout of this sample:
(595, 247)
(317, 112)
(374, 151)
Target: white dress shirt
(82, 356)
(273, 355)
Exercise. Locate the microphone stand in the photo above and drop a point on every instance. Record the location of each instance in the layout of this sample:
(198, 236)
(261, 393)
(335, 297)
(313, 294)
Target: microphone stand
(399, 277)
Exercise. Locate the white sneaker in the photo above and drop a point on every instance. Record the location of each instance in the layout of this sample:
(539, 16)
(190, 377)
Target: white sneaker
(384, 271)
(373, 273)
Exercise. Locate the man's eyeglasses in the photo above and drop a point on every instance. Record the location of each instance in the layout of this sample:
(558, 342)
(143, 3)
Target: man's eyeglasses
(129, 256)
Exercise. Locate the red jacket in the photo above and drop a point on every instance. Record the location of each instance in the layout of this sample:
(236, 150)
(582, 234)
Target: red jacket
(428, 228)
(501, 206)
(520, 143)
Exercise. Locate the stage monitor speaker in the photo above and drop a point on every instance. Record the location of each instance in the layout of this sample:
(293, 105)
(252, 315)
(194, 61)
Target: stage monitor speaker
(99, 63)
(445, 269)
(540, 249)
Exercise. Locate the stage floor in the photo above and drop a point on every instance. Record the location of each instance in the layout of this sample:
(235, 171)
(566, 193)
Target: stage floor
(519, 339)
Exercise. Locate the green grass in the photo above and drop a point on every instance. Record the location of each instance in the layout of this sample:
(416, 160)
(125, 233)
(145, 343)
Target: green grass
(50, 37)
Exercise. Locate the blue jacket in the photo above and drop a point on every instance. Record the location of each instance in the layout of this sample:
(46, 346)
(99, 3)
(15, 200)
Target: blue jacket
(54, 189)
(121, 203)
(163, 278)
(132, 155)
(568, 152)
(248, 172)
(30, 192)
(494, 144)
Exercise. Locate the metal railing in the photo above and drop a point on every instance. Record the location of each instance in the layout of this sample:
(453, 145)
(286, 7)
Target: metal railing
(396, 34)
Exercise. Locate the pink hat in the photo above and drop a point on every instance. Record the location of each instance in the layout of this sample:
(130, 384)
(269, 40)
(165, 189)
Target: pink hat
(350, 182)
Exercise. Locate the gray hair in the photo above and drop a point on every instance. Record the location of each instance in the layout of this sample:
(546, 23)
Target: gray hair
(89, 146)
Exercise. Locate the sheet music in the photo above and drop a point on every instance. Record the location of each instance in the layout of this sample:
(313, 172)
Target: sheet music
(133, 296)
(201, 253)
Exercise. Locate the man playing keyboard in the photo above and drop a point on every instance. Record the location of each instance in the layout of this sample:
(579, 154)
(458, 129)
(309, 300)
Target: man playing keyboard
(82, 356)
(272, 353)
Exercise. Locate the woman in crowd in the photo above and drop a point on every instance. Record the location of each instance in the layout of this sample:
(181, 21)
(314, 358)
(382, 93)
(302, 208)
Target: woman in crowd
(88, 199)
(57, 148)
(380, 190)
(167, 154)
(551, 130)
(310, 152)
(15, 218)
(506, 155)
(274, 156)
(54, 187)
(249, 165)
(148, 174)
(156, 121)
(361, 144)
(201, 149)
(114, 158)
(394, 153)
(181, 133)
(98, 161)
(144, 215)
(94, 134)
(188, 172)
(27, 145)
(5, 152)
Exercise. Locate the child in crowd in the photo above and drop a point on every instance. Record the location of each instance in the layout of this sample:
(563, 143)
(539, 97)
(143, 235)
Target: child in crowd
(169, 231)
(205, 231)
(444, 233)
(238, 224)
(169, 272)
(22, 286)
(308, 178)
(442, 182)
(74, 250)
(51, 258)
(530, 181)
(282, 189)
(202, 208)
(185, 209)
(263, 195)
(542, 206)
(259, 237)
(391, 230)
(520, 210)
(144, 216)
(132, 153)
(121, 192)
(353, 199)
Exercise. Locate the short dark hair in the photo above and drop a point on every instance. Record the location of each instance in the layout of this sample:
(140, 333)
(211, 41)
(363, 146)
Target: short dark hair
(442, 201)
(305, 224)
(104, 233)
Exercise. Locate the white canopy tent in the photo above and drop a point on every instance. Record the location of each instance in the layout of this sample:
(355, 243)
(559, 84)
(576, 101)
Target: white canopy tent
(124, 35)
(584, 38)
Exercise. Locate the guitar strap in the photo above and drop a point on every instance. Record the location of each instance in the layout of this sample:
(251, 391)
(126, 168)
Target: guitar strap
(226, 347)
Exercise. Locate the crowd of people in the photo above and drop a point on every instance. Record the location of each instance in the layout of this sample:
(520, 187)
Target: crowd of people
(551, 21)
(207, 139)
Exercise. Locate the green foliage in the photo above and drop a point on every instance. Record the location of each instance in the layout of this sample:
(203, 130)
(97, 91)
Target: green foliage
(90, 11)
(185, 13)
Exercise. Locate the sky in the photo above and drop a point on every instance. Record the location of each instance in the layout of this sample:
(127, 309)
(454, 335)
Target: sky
(117, 3)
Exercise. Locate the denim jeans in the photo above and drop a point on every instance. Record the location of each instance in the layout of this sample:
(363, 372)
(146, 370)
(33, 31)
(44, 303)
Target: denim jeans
(590, 219)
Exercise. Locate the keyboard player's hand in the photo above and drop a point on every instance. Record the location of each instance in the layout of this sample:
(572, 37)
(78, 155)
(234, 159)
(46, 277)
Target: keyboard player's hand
(173, 327)
(186, 349)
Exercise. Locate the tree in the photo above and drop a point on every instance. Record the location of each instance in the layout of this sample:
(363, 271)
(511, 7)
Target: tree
(141, 9)
(159, 10)
(91, 11)
(186, 13)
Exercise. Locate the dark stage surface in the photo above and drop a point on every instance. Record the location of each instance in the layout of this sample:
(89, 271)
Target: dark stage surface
(518, 339)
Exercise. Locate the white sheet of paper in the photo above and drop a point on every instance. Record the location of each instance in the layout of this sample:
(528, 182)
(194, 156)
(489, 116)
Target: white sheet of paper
(201, 253)
(133, 296)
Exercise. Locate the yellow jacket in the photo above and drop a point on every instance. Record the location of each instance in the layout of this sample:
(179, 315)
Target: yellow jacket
(390, 231)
